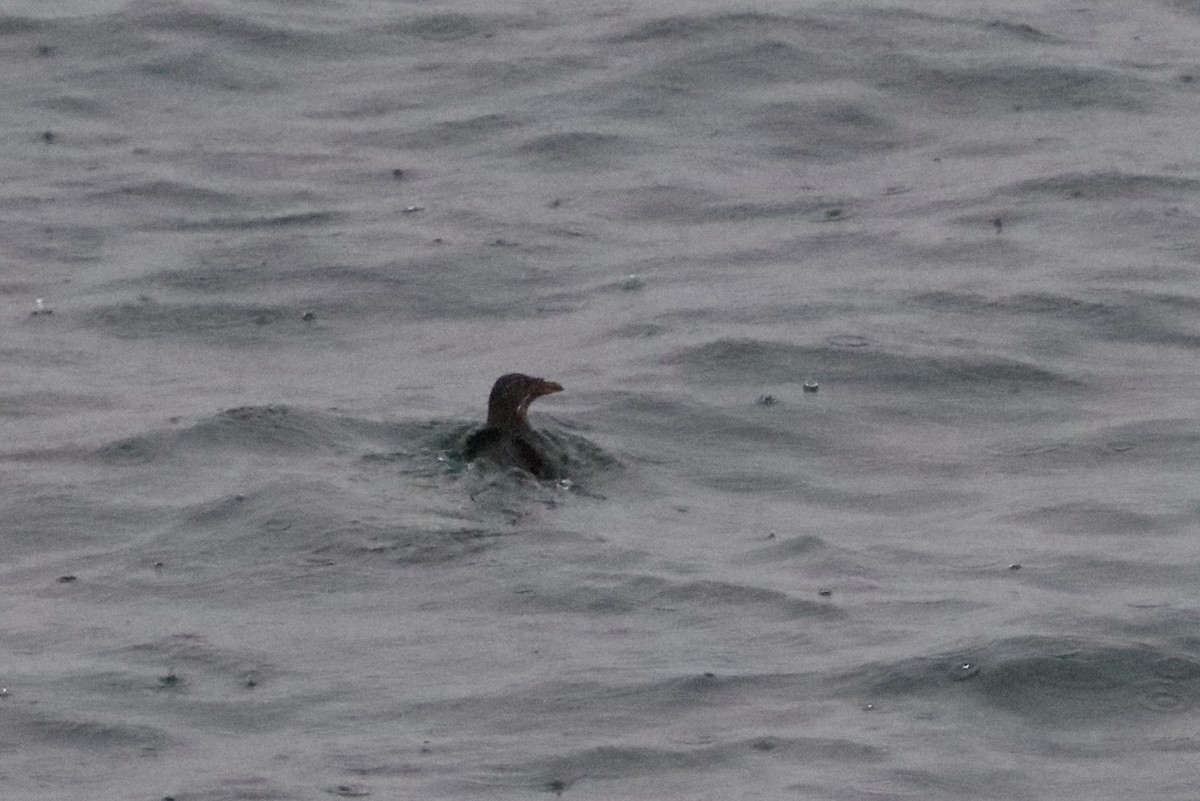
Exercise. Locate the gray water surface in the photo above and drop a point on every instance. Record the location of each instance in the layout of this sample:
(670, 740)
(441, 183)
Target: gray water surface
(282, 250)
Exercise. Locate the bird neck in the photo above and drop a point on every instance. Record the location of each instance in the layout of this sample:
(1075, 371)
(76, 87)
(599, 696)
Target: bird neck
(505, 417)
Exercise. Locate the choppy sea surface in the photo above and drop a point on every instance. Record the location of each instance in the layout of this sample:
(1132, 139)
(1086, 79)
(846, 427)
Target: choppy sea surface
(261, 262)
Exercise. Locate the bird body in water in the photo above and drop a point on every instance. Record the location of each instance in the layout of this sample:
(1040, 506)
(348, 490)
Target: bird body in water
(507, 439)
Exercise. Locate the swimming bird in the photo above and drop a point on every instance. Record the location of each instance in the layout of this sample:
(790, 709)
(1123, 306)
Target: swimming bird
(507, 439)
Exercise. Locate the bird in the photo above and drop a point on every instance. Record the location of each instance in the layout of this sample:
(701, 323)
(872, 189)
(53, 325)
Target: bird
(507, 439)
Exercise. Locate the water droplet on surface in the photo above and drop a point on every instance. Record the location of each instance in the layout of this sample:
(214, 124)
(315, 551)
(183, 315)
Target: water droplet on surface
(964, 670)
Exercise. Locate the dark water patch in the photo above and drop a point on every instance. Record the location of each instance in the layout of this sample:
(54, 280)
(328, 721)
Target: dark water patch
(88, 735)
(416, 288)
(800, 749)
(826, 130)
(738, 360)
(252, 788)
(697, 596)
(1092, 683)
(559, 774)
(608, 708)
(709, 689)
(1015, 87)
(758, 361)
(41, 404)
(312, 528)
(443, 27)
(1155, 439)
(250, 222)
(846, 496)
(55, 242)
(228, 29)
(216, 276)
(816, 210)
(580, 459)
(1159, 441)
(614, 594)
(77, 106)
(274, 428)
(625, 594)
(1096, 519)
(427, 447)
(1188, 304)
(192, 653)
(803, 546)
(366, 104)
(757, 314)
(743, 65)
(1107, 185)
(14, 25)
(611, 762)
(667, 203)
(539, 71)
(44, 520)
(1144, 322)
(455, 133)
(1056, 682)
(753, 482)
(279, 519)
(1191, 7)
(290, 429)
(443, 438)
(407, 545)
(1026, 303)
(135, 450)
(175, 193)
(1024, 31)
(692, 27)
(677, 419)
(223, 512)
(225, 71)
(1088, 575)
(432, 288)
(637, 331)
(1005, 255)
(976, 779)
(814, 560)
(262, 430)
(646, 98)
(960, 302)
(1154, 320)
(370, 451)
(440, 29)
(578, 149)
(221, 324)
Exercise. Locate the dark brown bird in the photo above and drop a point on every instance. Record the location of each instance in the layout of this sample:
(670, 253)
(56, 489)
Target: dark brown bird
(508, 440)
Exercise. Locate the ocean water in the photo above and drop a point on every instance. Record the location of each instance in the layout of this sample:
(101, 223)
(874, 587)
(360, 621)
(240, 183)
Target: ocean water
(262, 261)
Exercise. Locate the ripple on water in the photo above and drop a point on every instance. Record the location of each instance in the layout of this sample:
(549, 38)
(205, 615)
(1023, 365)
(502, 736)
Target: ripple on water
(848, 360)
(1108, 185)
(825, 131)
(1095, 682)
(578, 149)
(692, 27)
(92, 735)
(1055, 681)
(227, 324)
(1173, 685)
